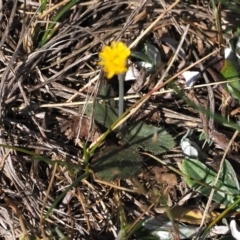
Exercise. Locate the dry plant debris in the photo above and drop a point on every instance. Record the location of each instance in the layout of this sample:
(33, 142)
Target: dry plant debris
(49, 76)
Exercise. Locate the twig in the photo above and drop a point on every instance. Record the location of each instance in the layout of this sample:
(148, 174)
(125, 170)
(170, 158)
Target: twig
(134, 43)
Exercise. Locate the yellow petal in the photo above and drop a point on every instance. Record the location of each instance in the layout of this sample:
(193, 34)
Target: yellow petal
(110, 74)
(114, 58)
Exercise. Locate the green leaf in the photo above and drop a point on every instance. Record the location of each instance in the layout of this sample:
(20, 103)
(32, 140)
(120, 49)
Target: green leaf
(229, 72)
(116, 162)
(52, 26)
(231, 6)
(43, 5)
(162, 228)
(153, 53)
(149, 138)
(105, 113)
(145, 234)
(227, 182)
(106, 92)
(151, 59)
(142, 56)
(149, 67)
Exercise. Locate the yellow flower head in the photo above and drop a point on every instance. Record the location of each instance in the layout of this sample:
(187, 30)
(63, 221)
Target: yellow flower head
(114, 58)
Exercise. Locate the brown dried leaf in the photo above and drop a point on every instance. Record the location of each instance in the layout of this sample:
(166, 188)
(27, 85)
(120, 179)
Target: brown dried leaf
(86, 131)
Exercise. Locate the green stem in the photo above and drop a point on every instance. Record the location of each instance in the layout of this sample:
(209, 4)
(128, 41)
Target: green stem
(52, 26)
(121, 96)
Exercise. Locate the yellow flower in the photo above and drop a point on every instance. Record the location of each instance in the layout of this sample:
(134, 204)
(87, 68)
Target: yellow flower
(114, 58)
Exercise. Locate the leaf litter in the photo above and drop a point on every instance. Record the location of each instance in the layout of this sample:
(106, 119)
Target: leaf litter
(50, 106)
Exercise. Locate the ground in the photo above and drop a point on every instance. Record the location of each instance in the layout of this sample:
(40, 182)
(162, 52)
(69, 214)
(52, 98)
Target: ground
(69, 168)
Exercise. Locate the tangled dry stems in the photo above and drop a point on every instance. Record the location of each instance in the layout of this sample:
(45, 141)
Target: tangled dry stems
(63, 70)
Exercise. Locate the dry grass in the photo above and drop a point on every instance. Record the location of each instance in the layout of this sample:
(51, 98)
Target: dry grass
(44, 89)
